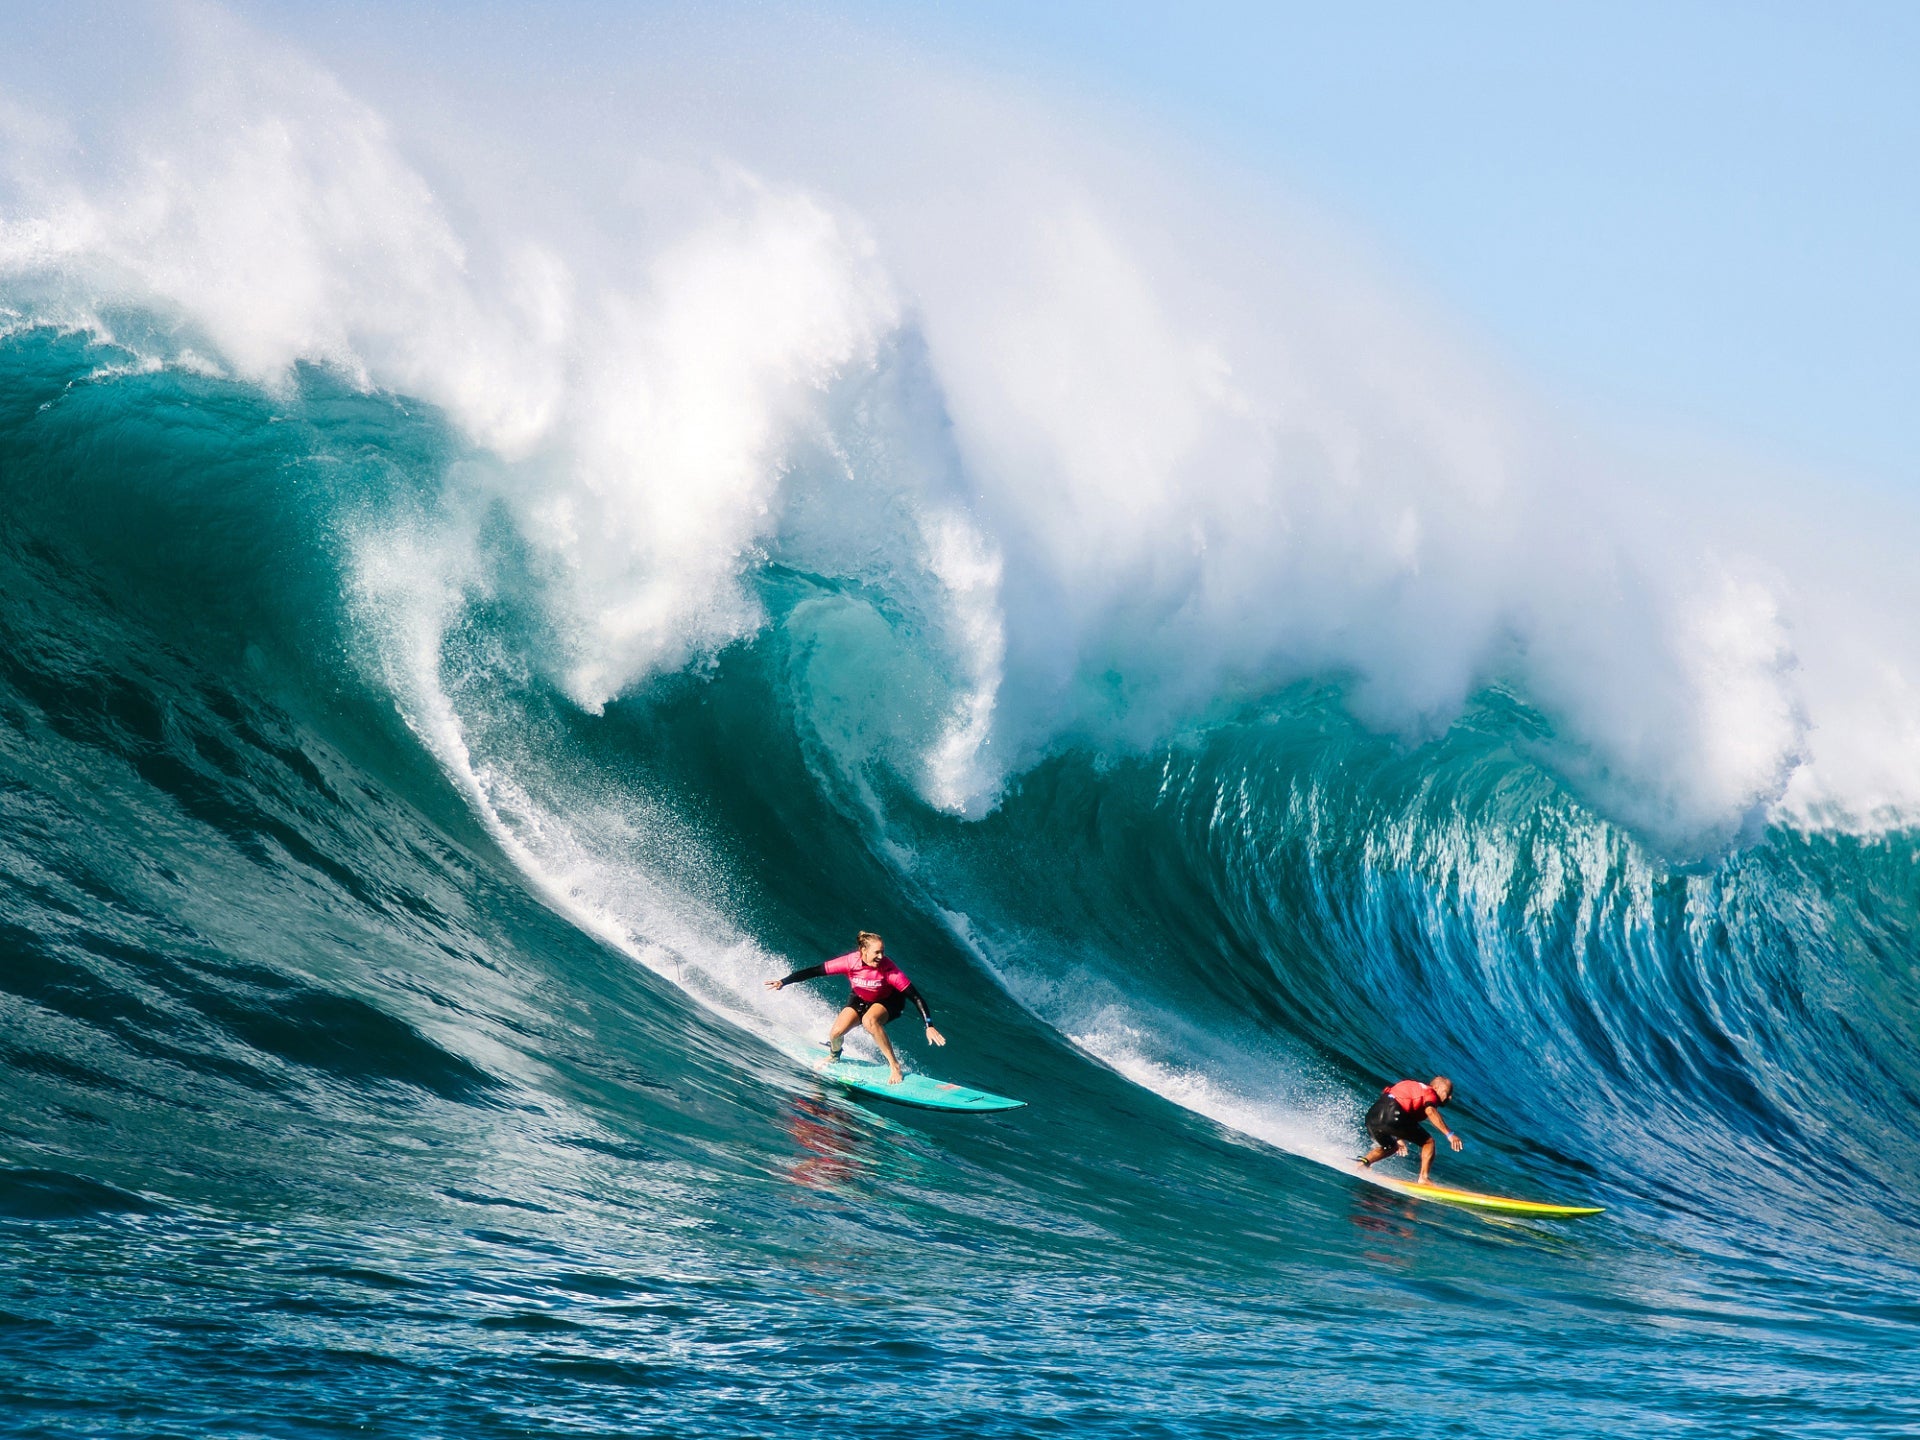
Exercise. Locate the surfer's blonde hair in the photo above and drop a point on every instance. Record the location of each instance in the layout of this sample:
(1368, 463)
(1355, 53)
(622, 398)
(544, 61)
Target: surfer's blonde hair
(866, 935)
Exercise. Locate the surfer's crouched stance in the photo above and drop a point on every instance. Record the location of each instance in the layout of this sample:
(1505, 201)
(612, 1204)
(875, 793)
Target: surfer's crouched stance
(1394, 1121)
(881, 990)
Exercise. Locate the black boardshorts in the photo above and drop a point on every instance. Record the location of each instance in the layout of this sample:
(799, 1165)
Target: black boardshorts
(1388, 1124)
(893, 1004)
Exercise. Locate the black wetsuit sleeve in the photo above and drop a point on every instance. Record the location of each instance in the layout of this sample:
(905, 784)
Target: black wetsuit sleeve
(912, 992)
(812, 972)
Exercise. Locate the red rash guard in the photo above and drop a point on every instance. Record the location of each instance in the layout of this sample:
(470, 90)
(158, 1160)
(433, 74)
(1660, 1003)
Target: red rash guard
(1412, 1097)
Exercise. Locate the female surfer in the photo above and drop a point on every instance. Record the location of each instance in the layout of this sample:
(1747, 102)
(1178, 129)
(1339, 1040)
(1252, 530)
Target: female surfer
(880, 992)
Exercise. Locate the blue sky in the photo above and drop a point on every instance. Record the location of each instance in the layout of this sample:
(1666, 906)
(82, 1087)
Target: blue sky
(1700, 216)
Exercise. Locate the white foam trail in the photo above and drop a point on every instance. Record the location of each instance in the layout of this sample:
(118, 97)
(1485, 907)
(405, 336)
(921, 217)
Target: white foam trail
(1237, 1077)
(1313, 1121)
(408, 587)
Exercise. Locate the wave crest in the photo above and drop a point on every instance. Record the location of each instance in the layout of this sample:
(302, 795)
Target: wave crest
(1124, 451)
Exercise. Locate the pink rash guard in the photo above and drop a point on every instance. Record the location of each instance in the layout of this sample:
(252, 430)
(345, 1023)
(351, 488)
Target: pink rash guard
(869, 982)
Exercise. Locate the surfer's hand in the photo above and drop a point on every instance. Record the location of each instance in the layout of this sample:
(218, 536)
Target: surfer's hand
(1455, 1141)
(935, 1036)
(775, 984)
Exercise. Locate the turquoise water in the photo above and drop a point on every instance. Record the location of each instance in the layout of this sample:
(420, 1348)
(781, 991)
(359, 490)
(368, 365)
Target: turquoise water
(345, 1090)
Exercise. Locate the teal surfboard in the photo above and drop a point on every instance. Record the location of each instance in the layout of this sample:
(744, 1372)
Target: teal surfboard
(921, 1090)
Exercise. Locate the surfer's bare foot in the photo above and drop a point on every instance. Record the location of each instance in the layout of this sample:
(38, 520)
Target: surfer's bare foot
(895, 1075)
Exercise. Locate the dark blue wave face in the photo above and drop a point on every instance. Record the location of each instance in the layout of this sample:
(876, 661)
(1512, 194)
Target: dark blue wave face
(318, 1117)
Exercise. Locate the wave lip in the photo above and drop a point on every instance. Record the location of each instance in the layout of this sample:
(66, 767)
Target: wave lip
(1123, 448)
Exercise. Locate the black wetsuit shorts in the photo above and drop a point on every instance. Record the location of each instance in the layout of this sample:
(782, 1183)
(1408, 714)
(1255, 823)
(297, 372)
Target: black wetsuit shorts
(895, 1003)
(1388, 1124)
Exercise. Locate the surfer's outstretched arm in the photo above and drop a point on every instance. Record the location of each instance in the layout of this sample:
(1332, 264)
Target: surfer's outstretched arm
(1426, 1150)
(1433, 1114)
(812, 972)
(912, 992)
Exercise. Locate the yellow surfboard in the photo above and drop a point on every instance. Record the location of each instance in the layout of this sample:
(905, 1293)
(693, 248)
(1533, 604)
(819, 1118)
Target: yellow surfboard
(1505, 1204)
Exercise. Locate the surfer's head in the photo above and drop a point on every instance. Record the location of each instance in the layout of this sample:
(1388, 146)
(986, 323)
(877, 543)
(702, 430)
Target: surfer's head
(870, 946)
(1443, 1087)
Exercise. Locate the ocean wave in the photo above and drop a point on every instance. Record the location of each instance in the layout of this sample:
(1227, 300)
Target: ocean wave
(1121, 451)
(1245, 696)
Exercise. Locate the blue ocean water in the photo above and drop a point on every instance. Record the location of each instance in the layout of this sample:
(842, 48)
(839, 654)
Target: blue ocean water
(337, 1099)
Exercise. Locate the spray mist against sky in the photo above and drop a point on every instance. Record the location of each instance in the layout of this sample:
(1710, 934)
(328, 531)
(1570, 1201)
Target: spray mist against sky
(1697, 213)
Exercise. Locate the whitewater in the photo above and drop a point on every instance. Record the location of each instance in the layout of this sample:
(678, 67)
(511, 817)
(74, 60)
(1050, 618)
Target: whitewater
(506, 548)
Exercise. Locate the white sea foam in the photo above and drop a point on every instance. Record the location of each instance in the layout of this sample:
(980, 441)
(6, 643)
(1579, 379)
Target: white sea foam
(1124, 441)
(1233, 1076)
(584, 851)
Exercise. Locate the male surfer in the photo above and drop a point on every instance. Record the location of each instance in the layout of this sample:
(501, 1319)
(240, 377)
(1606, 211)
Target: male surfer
(1394, 1121)
(881, 990)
